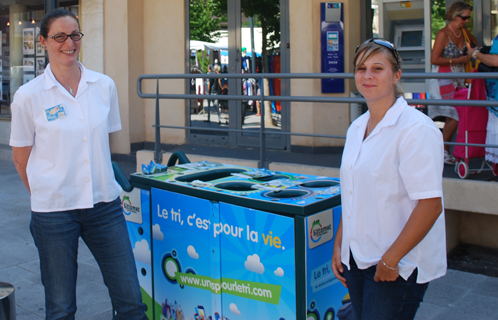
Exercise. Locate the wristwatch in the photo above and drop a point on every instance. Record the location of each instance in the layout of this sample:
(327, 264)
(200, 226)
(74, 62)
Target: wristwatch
(475, 54)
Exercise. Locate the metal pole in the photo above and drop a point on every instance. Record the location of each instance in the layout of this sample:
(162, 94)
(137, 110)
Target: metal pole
(7, 301)
(262, 140)
(253, 53)
(157, 149)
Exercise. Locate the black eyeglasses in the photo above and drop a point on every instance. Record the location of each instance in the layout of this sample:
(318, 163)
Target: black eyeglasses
(463, 18)
(385, 43)
(61, 37)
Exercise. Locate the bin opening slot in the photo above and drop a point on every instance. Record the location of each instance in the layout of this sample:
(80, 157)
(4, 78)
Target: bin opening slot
(235, 186)
(209, 175)
(286, 194)
(319, 184)
(272, 177)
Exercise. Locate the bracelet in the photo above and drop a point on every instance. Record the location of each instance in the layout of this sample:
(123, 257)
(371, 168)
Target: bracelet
(388, 267)
(474, 55)
(450, 61)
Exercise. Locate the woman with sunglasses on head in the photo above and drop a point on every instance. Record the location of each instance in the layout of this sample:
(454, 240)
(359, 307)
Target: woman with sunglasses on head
(61, 122)
(391, 238)
(450, 52)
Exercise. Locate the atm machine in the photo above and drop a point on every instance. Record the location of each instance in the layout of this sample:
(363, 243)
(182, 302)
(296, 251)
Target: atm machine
(408, 25)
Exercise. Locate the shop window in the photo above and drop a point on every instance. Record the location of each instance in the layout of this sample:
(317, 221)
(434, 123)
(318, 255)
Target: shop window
(22, 58)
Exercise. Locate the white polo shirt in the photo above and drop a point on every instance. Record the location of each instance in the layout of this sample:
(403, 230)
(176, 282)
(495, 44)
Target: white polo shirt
(382, 178)
(70, 162)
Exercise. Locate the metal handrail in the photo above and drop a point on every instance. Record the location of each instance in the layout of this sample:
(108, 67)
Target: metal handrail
(346, 100)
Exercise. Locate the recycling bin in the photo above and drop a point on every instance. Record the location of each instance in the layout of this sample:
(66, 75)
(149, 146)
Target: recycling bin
(231, 242)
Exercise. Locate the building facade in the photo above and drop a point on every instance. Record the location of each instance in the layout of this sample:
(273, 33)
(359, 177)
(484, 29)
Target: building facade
(127, 38)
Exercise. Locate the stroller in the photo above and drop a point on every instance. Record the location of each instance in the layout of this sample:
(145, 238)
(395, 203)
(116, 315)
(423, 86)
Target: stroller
(471, 129)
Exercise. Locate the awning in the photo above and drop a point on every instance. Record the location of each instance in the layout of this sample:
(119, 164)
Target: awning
(201, 45)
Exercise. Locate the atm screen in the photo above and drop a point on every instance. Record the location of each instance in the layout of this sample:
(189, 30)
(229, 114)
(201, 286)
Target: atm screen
(412, 38)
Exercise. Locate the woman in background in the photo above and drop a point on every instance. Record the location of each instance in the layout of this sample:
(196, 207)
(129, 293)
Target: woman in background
(450, 50)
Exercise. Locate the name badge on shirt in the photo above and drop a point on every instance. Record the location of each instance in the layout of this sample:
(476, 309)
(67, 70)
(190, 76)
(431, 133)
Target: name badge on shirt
(55, 112)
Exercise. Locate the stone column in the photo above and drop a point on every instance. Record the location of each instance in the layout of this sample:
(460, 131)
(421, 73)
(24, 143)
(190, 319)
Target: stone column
(16, 46)
(92, 25)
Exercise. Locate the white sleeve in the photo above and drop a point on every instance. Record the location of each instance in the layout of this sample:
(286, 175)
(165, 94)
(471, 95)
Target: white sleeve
(114, 120)
(421, 162)
(22, 127)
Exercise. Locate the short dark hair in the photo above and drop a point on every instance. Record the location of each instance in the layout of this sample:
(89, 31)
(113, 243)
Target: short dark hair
(52, 16)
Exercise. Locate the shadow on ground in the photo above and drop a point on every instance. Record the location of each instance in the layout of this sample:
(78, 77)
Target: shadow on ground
(475, 259)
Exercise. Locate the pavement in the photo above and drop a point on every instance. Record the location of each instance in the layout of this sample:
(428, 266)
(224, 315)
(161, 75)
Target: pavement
(458, 295)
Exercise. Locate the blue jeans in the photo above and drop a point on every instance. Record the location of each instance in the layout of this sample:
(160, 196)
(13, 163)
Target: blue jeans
(383, 300)
(103, 228)
(216, 106)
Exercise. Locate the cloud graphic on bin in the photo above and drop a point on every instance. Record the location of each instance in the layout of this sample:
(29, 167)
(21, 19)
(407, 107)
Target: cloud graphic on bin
(253, 264)
(279, 272)
(156, 232)
(234, 309)
(142, 252)
(191, 252)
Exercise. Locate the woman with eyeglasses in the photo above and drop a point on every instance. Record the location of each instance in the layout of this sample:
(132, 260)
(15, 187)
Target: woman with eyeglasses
(450, 52)
(61, 122)
(391, 238)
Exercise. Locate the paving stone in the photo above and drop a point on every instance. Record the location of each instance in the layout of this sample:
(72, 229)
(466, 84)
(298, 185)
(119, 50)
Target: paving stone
(471, 307)
(23, 314)
(428, 311)
(103, 316)
(464, 279)
(32, 266)
(14, 274)
(16, 254)
(30, 296)
(488, 288)
(92, 300)
(444, 294)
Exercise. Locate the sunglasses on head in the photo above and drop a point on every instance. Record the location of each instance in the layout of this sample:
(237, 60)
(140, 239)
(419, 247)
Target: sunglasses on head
(384, 43)
(463, 18)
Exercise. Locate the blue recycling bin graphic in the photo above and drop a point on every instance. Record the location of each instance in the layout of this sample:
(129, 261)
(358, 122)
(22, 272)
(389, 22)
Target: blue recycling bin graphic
(230, 242)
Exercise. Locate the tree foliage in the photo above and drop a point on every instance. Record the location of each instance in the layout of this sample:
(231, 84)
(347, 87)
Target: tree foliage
(203, 20)
(437, 16)
(203, 61)
(267, 12)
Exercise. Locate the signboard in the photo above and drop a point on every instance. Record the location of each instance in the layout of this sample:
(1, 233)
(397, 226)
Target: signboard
(324, 293)
(190, 238)
(332, 45)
